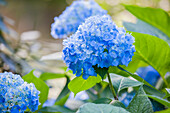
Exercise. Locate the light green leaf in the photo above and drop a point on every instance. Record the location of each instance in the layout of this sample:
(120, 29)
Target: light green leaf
(55, 108)
(47, 76)
(115, 70)
(156, 17)
(160, 100)
(164, 111)
(135, 64)
(39, 84)
(79, 84)
(120, 82)
(153, 51)
(102, 101)
(140, 103)
(100, 108)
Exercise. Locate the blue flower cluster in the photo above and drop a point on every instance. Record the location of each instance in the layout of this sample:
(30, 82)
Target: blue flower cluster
(16, 95)
(147, 73)
(69, 21)
(97, 42)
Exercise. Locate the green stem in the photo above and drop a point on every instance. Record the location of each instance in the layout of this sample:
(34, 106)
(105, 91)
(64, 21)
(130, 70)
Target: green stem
(111, 87)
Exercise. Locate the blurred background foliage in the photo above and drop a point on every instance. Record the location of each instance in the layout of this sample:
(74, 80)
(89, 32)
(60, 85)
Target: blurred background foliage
(25, 40)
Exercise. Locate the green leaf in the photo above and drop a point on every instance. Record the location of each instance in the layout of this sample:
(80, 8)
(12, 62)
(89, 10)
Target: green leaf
(118, 104)
(47, 76)
(155, 17)
(152, 91)
(114, 69)
(167, 90)
(39, 84)
(135, 64)
(56, 108)
(91, 94)
(79, 84)
(120, 82)
(140, 103)
(101, 71)
(164, 111)
(63, 96)
(153, 51)
(160, 100)
(134, 76)
(100, 108)
(102, 101)
(143, 27)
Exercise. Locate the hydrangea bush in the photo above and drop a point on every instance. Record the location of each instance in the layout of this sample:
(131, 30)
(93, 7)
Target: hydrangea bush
(107, 62)
(69, 21)
(16, 95)
(97, 42)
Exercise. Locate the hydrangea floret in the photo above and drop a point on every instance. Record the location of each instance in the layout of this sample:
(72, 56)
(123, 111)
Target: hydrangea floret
(97, 43)
(16, 95)
(68, 22)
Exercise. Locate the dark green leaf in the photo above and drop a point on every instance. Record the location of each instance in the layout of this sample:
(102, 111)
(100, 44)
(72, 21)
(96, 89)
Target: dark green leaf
(47, 76)
(160, 100)
(63, 100)
(102, 101)
(56, 108)
(79, 84)
(63, 96)
(155, 17)
(118, 104)
(39, 84)
(140, 103)
(101, 71)
(100, 108)
(152, 91)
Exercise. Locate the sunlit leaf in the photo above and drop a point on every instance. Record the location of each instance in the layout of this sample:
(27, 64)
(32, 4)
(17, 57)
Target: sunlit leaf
(39, 84)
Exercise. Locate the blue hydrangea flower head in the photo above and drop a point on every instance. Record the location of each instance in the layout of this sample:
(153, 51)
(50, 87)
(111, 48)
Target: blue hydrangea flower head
(68, 22)
(16, 95)
(97, 43)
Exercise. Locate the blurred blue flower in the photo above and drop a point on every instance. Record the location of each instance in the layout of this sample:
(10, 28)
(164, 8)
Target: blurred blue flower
(97, 42)
(126, 98)
(149, 74)
(49, 102)
(16, 95)
(69, 21)
(79, 96)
